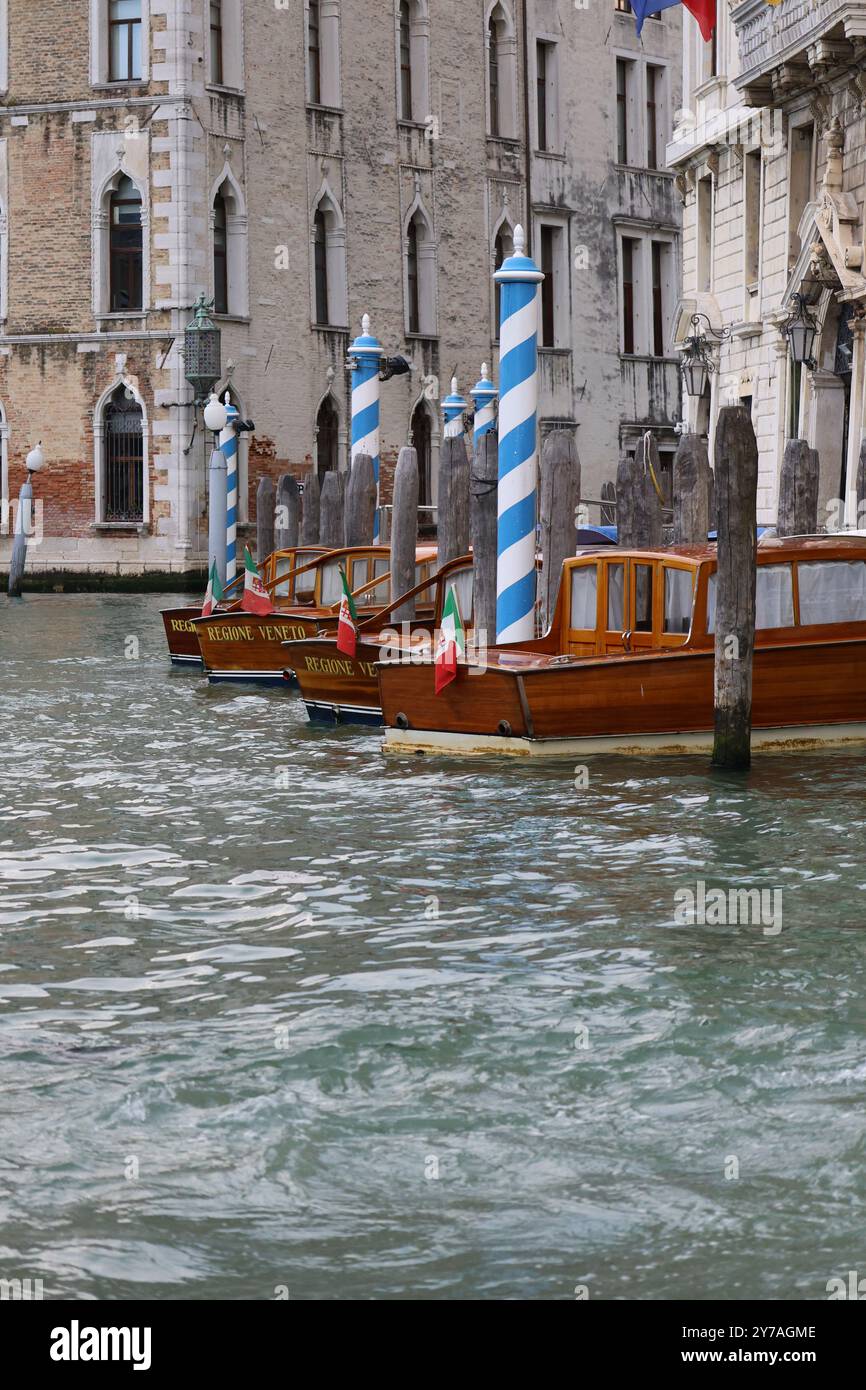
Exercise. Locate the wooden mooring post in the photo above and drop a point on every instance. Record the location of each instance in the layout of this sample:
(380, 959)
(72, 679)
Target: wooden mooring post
(691, 491)
(798, 490)
(737, 505)
(607, 516)
(453, 501)
(361, 501)
(404, 533)
(264, 519)
(288, 513)
(558, 495)
(638, 509)
(483, 524)
(310, 514)
(331, 508)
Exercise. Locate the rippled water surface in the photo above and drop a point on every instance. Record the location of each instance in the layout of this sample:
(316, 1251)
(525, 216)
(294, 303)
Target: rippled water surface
(259, 986)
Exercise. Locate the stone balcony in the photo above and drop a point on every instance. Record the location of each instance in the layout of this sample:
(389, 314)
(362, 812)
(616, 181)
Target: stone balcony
(788, 48)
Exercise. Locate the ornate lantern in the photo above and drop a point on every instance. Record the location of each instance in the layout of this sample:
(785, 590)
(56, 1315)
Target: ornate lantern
(201, 350)
(697, 365)
(801, 330)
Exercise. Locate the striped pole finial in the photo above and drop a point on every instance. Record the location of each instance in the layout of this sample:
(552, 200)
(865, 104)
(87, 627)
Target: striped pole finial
(365, 355)
(484, 395)
(229, 447)
(519, 278)
(454, 408)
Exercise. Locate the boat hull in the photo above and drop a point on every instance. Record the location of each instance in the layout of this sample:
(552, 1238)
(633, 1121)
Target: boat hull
(804, 694)
(240, 648)
(181, 636)
(337, 689)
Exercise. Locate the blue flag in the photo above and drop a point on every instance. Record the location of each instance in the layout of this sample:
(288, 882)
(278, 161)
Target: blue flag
(642, 8)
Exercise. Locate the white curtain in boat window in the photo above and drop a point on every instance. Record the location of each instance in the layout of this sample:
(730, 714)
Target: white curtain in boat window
(584, 586)
(461, 583)
(332, 586)
(832, 591)
(774, 598)
(615, 598)
(678, 600)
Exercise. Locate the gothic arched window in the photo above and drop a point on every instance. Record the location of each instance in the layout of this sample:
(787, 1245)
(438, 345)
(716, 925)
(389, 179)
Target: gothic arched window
(125, 247)
(123, 464)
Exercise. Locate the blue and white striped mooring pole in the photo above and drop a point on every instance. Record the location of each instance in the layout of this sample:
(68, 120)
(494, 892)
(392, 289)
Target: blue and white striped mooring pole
(365, 355)
(454, 408)
(229, 447)
(483, 394)
(519, 277)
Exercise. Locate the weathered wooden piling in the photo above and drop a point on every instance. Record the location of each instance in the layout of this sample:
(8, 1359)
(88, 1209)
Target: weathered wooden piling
(453, 502)
(264, 519)
(483, 526)
(404, 533)
(310, 515)
(798, 490)
(288, 513)
(608, 504)
(638, 509)
(558, 495)
(360, 511)
(737, 504)
(691, 491)
(331, 508)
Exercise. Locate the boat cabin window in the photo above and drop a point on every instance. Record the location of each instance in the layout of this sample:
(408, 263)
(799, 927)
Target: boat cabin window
(332, 588)
(461, 582)
(305, 584)
(382, 592)
(832, 591)
(643, 598)
(616, 598)
(283, 566)
(774, 598)
(584, 588)
(679, 589)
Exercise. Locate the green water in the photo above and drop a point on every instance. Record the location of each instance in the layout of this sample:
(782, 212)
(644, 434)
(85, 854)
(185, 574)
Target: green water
(278, 1015)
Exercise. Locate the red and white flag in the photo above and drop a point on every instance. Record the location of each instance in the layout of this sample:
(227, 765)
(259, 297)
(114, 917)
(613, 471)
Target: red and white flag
(451, 643)
(347, 634)
(256, 598)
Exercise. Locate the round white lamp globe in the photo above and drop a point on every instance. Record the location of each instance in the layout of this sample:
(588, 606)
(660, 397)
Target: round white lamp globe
(215, 414)
(35, 459)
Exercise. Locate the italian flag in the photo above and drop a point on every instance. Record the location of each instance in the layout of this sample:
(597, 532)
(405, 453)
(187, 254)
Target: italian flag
(256, 598)
(347, 637)
(451, 643)
(214, 592)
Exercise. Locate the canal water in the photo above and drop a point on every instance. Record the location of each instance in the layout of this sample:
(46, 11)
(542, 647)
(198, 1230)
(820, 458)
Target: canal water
(281, 1018)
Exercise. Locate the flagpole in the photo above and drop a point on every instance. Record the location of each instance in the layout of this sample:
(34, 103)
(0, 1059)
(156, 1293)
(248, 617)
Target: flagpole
(519, 278)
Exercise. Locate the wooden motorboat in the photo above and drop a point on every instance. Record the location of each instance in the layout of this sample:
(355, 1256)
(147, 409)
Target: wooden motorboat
(628, 662)
(341, 689)
(180, 632)
(237, 646)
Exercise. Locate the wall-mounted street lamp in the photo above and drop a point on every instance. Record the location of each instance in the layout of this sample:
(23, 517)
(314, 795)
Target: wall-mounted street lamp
(801, 330)
(202, 350)
(697, 364)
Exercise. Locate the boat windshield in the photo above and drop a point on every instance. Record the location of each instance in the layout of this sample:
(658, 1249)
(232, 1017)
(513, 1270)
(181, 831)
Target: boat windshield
(461, 584)
(332, 587)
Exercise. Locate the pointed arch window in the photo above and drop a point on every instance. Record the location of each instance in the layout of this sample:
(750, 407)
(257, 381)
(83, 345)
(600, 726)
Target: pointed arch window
(327, 438)
(422, 442)
(123, 464)
(328, 264)
(413, 29)
(501, 74)
(124, 40)
(405, 61)
(493, 74)
(314, 52)
(220, 256)
(420, 274)
(320, 267)
(125, 247)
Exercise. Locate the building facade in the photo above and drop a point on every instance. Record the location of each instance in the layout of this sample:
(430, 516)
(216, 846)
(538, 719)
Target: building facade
(304, 162)
(770, 161)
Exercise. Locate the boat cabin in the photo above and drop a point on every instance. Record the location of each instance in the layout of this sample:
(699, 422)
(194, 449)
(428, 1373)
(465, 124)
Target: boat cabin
(615, 602)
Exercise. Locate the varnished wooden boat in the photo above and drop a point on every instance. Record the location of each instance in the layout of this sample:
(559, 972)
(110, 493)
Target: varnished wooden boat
(180, 632)
(341, 689)
(244, 647)
(627, 664)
